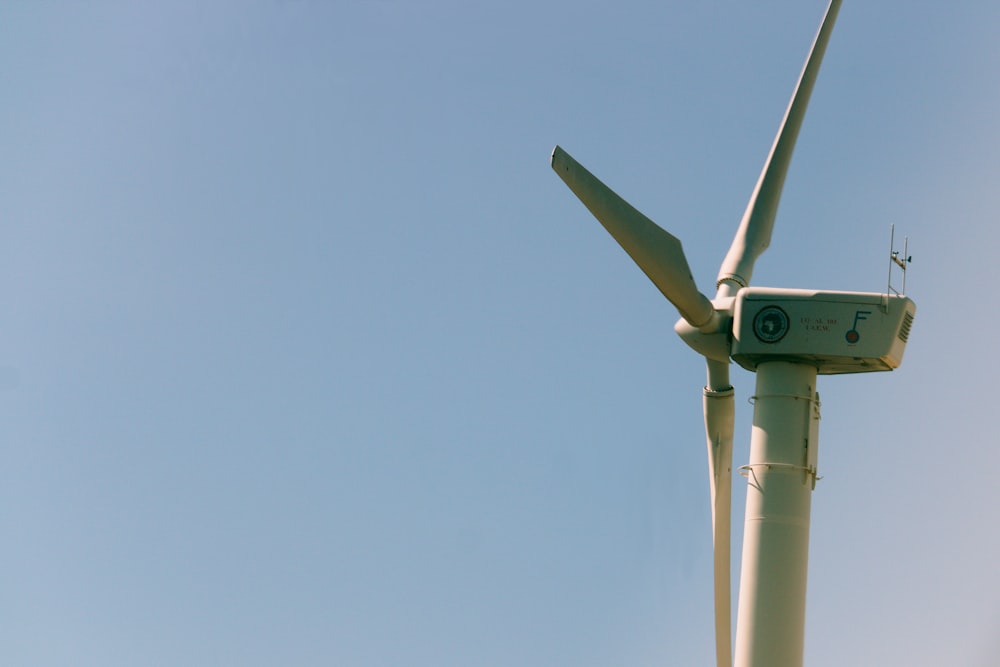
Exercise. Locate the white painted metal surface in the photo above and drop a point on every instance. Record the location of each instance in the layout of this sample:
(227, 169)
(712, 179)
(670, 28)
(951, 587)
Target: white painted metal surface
(770, 625)
(787, 337)
(837, 332)
(720, 415)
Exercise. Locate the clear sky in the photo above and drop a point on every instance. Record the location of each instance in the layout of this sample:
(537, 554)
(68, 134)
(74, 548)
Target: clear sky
(308, 358)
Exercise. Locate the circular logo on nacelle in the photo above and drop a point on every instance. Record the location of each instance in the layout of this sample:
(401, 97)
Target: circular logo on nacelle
(770, 324)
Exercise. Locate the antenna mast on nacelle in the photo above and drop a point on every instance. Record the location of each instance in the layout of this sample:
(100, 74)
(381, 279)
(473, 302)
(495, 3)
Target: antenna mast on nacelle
(899, 260)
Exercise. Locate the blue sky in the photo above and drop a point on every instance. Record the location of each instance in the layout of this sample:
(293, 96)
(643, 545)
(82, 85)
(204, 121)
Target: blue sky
(309, 358)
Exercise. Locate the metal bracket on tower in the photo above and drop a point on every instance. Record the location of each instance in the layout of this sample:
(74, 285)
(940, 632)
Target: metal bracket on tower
(812, 441)
(811, 445)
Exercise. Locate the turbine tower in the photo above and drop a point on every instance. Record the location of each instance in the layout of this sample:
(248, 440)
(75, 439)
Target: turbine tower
(786, 336)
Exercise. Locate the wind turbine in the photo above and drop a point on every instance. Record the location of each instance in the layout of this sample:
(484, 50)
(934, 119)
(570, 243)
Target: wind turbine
(786, 336)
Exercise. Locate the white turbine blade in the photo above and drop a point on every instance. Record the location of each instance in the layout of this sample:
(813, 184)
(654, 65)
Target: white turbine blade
(719, 422)
(754, 234)
(657, 252)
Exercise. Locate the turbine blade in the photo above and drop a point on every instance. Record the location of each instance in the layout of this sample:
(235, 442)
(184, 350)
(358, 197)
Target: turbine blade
(754, 233)
(657, 252)
(719, 421)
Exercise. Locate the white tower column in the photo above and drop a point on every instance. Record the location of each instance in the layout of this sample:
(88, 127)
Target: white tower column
(770, 624)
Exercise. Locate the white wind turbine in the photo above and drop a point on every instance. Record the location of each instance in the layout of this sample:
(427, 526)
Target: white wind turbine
(787, 336)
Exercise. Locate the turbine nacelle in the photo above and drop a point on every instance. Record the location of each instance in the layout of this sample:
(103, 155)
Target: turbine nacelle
(837, 332)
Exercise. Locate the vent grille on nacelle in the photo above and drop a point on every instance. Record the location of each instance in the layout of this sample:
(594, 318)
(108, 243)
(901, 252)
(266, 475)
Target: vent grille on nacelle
(904, 329)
